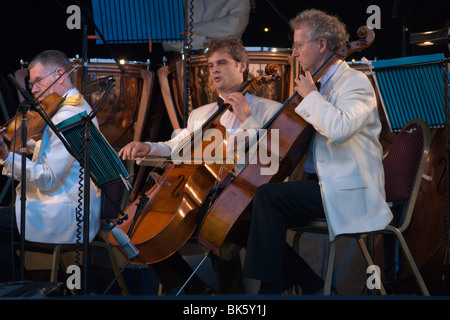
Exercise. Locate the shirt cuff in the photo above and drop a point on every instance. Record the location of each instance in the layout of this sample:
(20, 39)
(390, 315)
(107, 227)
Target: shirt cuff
(7, 160)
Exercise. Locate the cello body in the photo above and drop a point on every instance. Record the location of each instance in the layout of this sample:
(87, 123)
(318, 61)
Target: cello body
(169, 217)
(224, 230)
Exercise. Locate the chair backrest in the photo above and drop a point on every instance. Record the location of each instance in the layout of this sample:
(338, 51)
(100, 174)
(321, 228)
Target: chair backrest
(404, 165)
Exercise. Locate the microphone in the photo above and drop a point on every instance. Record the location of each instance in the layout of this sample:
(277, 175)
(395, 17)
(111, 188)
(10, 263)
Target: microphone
(125, 242)
(28, 98)
(97, 85)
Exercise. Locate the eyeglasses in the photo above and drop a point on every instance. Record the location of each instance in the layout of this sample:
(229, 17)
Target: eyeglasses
(298, 45)
(38, 81)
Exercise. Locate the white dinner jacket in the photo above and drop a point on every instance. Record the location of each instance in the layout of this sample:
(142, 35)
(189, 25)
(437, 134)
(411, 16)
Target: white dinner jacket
(52, 186)
(347, 152)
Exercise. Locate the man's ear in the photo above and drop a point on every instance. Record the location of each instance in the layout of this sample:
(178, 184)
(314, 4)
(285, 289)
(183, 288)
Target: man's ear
(323, 45)
(59, 72)
(242, 66)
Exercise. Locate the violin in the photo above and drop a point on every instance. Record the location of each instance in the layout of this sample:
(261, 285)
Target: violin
(35, 123)
(224, 229)
(161, 220)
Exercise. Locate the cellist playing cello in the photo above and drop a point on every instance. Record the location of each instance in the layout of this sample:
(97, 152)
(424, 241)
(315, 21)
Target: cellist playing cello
(343, 174)
(228, 68)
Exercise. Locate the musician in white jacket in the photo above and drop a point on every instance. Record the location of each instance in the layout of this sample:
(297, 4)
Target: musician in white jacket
(228, 68)
(344, 178)
(52, 175)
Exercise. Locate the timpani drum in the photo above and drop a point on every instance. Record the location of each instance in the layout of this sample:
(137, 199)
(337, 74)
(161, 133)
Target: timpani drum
(125, 113)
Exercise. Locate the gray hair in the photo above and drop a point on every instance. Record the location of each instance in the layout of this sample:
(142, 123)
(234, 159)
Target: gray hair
(51, 59)
(323, 25)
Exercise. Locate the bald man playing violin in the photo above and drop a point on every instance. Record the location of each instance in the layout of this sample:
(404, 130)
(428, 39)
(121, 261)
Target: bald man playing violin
(52, 173)
(228, 69)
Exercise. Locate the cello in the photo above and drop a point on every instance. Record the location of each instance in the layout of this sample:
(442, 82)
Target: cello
(161, 220)
(224, 229)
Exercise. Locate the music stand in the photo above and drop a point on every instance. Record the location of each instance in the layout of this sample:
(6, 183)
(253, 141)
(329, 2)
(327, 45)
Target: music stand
(75, 132)
(139, 21)
(142, 21)
(412, 87)
(99, 160)
(417, 87)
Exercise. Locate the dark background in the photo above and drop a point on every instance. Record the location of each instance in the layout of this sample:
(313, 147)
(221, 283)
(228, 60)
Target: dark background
(28, 27)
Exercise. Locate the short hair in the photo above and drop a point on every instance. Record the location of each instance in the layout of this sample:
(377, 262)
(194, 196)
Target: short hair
(323, 25)
(51, 58)
(234, 47)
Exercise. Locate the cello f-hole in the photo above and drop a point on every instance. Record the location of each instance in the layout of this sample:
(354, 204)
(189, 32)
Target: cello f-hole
(180, 183)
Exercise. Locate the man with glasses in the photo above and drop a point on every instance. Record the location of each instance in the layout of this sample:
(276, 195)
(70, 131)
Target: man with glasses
(39, 81)
(343, 174)
(52, 175)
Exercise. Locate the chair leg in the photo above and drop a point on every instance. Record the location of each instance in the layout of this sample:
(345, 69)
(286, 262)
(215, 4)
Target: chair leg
(296, 241)
(55, 262)
(330, 267)
(409, 257)
(369, 260)
(115, 267)
(100, 245)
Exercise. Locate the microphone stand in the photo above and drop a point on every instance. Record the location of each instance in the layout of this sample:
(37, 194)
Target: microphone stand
(446, 275)
(87, 122)
(26, 105)
(23, 189)
(187, 47)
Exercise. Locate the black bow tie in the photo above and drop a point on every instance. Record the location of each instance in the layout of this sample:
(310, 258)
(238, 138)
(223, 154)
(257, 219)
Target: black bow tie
(219, 101)
(318, 85)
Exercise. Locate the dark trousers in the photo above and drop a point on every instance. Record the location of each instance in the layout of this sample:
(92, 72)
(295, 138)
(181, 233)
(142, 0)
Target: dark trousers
(277, 207)
(8, 235)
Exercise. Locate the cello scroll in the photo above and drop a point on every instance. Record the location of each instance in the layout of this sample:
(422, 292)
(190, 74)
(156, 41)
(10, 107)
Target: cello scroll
(366, 37)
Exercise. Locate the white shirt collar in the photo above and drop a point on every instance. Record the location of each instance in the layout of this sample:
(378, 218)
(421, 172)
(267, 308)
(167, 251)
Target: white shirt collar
(70, 92)
(328, 74)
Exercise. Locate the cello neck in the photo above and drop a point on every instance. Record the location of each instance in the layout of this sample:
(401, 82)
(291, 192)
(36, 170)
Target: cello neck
(316, 76)
(366, 37)
(244, 87)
